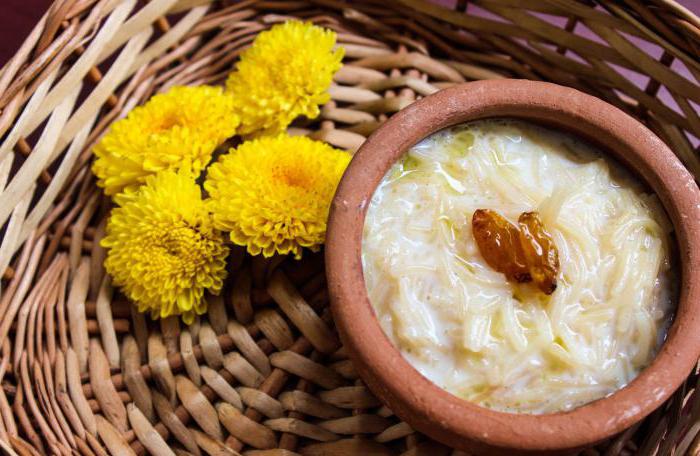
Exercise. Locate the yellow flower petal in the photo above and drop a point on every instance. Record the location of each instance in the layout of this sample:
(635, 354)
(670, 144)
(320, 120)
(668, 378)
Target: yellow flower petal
(179, 128)
(285, 74)
(162, 248)
(273, 194)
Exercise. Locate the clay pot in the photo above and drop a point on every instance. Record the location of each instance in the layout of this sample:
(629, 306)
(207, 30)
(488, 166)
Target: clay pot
(414, 398)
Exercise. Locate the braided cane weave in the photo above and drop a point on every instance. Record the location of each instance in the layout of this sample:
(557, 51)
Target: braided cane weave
(264, 373)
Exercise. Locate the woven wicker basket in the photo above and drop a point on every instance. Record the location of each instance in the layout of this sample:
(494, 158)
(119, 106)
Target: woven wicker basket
(76, 358)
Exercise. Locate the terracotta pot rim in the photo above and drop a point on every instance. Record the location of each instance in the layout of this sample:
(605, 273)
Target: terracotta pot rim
(427, 407)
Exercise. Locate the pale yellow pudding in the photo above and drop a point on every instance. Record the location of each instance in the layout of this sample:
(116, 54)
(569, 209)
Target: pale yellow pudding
(505, 345)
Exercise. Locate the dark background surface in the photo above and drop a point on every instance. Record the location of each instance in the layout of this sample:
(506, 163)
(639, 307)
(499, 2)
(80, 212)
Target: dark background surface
(17, 18)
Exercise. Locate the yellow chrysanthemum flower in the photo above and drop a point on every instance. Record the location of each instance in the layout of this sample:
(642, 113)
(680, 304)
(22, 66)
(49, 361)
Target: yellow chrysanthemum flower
(284, 74)
(163, 250)
(179, 128)
(273, 194)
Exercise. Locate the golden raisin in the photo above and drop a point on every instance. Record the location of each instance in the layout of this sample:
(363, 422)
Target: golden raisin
(540, 251)
(499, 243)
(525, 253)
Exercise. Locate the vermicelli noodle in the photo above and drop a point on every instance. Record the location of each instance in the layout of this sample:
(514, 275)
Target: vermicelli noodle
(504, 345)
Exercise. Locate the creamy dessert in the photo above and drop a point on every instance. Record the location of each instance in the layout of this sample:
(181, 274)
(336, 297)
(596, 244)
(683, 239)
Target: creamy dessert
(482, 333)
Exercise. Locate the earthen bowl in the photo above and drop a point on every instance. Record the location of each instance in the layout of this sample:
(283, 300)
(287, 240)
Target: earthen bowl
(424, 405)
